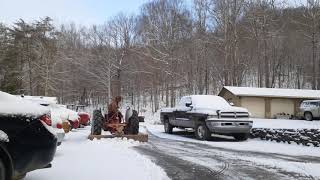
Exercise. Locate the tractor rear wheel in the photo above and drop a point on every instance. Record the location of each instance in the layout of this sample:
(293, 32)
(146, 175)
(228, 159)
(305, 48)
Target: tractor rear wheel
(97, 122)
(133, 124)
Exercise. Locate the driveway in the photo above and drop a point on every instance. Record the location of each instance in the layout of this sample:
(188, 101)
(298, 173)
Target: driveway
(191, 161)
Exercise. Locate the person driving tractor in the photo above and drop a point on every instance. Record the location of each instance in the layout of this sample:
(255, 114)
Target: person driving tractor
(114, 116)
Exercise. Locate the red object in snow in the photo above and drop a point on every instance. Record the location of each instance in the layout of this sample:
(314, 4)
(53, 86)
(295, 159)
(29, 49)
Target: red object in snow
(84, 118)
(59, 126)
(75, 124)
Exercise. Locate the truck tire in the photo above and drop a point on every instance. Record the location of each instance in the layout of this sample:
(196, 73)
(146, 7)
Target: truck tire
(168, 128)
(308, 116)
(2, 170)
(97, 122)
(133, 124)
(241, 137)
(202, 132)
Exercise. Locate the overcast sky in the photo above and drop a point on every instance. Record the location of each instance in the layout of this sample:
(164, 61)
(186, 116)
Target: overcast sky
(79, 11)
(84, 12)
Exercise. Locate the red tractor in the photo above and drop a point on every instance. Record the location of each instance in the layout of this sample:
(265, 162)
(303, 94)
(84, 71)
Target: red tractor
(128, 128)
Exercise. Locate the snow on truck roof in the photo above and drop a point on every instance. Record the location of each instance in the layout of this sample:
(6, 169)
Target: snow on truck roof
(209, 101)
(12, 105)
(273, 92)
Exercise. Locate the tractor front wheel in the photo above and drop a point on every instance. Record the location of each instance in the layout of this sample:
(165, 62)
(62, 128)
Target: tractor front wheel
(97, 122)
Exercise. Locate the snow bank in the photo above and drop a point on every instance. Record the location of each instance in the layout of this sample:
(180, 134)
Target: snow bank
(11, 105)
(81, 159)
(285, 124)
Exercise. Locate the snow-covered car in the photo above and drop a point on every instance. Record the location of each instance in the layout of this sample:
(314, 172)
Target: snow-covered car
(309, 109)
(207, 114)
(84, 117)
(61, 114)
(73, 118)
(27, 141)
(56, 122)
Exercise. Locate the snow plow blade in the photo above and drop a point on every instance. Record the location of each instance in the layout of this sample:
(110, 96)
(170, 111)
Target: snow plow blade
(139, 137)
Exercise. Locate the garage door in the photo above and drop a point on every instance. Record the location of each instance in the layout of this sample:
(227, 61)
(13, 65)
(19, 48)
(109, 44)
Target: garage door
(282, 106)
(256, 106)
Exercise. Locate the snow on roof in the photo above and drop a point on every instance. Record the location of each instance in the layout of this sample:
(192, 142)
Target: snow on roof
(274, 92)
(12, 105)
(41, 99)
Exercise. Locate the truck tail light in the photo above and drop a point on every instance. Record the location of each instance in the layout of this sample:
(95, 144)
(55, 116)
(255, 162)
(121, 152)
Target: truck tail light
(46, 119)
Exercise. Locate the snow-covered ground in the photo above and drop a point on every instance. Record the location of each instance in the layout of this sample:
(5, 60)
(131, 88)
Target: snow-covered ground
(286, 124)
(250, 147)
(153, 126)
(81, 159)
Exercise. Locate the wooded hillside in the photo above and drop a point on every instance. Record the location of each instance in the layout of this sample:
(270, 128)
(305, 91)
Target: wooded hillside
(167, 50)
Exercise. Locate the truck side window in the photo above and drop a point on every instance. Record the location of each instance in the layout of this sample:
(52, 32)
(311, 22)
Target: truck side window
(182, 102)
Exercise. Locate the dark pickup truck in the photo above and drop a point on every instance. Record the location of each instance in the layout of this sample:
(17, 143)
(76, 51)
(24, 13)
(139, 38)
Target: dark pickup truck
(207, 114)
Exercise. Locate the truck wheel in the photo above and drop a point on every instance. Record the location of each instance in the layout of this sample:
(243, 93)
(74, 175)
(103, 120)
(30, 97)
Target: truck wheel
(202, 132)
(308, 116)
(241, 137)
(2, 170)
(168, 127)
(97, 122)
(133, 125)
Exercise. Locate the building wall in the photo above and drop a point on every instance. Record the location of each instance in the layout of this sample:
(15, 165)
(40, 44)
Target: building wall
(264, 107)
(255, 105)
(286, 106)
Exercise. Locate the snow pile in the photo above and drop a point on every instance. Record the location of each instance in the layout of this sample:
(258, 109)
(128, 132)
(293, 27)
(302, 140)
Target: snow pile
(11, 105)
(3, 137)
(81, 159)
(285, 124)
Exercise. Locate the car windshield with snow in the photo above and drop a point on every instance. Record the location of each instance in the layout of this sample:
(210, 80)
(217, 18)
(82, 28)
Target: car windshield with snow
(207, 114)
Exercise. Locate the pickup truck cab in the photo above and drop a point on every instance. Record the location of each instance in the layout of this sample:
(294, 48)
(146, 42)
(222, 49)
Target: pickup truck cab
(207, 114)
